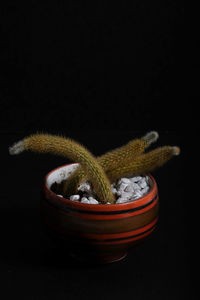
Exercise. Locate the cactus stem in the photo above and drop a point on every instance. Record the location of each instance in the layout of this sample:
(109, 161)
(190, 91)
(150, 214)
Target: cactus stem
(144, 163)
(46, 143)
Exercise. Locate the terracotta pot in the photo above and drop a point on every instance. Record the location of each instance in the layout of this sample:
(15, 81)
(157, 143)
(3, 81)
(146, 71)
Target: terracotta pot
(97, 232)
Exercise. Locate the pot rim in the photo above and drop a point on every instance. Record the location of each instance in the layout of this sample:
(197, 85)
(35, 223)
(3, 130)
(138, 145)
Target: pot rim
(61, 201)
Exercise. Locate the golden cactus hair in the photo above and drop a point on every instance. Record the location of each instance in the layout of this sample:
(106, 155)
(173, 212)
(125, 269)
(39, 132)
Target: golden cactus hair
(111, 160)
(46, 143)
(118, 156)
(144, 163)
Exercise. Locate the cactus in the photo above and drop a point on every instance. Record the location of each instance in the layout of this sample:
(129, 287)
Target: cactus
(111, 160)
(128, 160)
(45, 143)
(144, 163)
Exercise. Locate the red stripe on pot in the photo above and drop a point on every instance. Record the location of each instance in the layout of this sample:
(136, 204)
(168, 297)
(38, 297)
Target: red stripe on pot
(106, 238)
(108, 215)
(140, 236)
(116, 236)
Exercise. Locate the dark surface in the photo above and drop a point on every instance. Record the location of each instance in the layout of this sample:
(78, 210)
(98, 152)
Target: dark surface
(92, 65)
(101, 76)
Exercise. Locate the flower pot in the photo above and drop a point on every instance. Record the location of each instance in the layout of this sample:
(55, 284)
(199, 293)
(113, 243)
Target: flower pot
(99, 233)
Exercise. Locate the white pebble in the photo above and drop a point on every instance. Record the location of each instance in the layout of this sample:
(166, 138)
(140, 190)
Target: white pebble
(121, 200)
(135, 186)
(129, 188)
(136, 178)
(84, 187)
(123, 186)
(145, 190)
(93, 200)
(142, 184)
(74, 197)
(114, 191)
(133, 198)
(126, 195)
(147, 179)
(85, 200)
(118, 193)
(123, 194)
(137, 194)
(124, 180)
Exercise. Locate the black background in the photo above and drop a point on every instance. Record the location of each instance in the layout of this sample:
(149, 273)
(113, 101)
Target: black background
(102, 76)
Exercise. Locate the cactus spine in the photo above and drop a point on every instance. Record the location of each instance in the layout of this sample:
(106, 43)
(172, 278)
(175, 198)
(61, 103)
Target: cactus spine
(111, 160)
(144, 163)
(46, 143)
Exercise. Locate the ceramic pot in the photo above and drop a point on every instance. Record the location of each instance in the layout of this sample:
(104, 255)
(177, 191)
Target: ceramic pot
(97, 232)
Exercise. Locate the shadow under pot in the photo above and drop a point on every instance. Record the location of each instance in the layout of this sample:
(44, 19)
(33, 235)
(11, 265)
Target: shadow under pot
(97, 233)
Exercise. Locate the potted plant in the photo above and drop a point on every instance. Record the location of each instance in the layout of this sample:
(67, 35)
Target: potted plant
(104, 226)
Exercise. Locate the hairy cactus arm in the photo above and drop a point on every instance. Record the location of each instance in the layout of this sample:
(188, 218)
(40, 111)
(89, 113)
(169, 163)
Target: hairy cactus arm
(128, 152)
(70, 185)
(46, 143)
(144, 163)
(112, 160)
